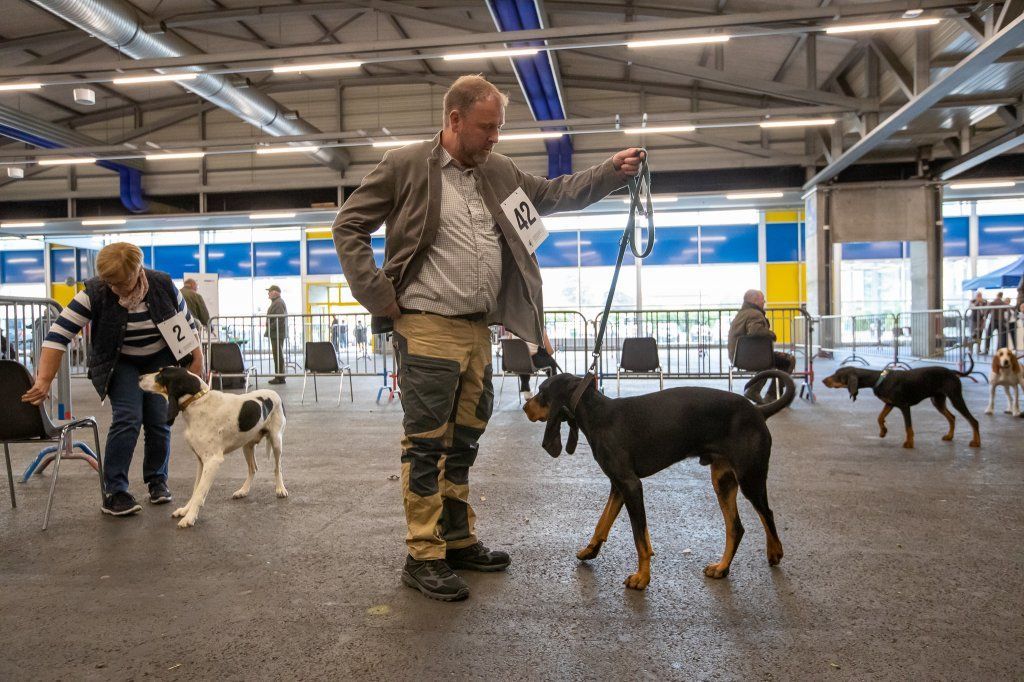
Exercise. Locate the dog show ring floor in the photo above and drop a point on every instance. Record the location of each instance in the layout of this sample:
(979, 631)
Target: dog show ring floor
(899, 564)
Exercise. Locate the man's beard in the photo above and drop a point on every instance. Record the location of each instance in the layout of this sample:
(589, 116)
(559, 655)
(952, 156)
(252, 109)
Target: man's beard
(476, 158)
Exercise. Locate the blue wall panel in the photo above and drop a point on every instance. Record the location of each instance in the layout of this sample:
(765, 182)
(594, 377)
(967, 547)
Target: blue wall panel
(955, 236)
(176, 260)
(674, 246)
(600, 247)
(62, 265)
(782, 242)
(1000, 235)
(321, 258)
(22, 267)
(229, 260)
(559, 250)
(728, 244)
(872, 250)
(277, 259)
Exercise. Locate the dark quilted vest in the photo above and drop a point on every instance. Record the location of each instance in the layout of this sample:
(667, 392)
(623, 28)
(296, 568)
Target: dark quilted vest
(110, 320)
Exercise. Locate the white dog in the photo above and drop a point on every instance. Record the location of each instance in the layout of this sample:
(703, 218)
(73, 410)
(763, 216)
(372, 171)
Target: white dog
(218, 423)
(1006, 373)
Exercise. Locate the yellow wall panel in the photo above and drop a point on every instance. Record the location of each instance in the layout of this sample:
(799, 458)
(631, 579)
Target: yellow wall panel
(786, 287)
(783, 216)
(62, 293)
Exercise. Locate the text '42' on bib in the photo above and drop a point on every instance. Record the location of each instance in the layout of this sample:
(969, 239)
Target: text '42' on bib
(524, 217)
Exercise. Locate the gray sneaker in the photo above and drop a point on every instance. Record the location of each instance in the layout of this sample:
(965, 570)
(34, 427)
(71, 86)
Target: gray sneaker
(434, 579)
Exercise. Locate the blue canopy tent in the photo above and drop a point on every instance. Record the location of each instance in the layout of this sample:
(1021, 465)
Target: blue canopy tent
(1007, 277)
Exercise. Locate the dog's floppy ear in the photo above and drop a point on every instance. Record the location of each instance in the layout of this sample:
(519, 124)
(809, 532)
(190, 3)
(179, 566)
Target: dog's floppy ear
(852, 386)
(1014, 363)
(557, 413)
(178, 382)
(172, 410)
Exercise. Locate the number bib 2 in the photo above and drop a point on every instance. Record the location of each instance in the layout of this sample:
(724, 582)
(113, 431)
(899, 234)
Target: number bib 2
(523, 215)
(178, 334)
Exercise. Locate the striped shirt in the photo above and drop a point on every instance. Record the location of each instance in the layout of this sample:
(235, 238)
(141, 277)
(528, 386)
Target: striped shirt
(462, 270)
(141, 337)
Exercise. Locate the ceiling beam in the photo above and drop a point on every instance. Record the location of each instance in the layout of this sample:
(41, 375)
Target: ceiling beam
(1009, 38)
(1002, 144)
(604, 30)
(903, 75)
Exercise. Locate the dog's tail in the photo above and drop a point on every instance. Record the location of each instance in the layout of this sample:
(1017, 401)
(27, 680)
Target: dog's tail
(970, 369)
(788, 391)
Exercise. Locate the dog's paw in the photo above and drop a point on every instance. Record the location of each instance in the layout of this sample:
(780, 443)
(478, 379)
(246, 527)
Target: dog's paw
(589, 552)
(881, 434)
(909, 445)
(187, 522)
(637, 581)
(948, 437)
(239, 494)
(716, 571)
(774, 555)
(975, 444)
(282, 492)
(179, 512)
(989, 411)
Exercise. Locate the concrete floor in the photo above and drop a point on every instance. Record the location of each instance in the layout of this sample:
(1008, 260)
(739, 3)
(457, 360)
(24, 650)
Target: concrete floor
(899, 564)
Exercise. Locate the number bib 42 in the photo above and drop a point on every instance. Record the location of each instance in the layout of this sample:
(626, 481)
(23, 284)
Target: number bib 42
(178, 334)
(523, 215)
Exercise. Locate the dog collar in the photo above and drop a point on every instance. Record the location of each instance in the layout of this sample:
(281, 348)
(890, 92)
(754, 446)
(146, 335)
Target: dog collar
(881, 378)
(194, 397)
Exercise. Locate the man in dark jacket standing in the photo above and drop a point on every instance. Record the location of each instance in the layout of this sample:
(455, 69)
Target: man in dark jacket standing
(458, 257)
(195, 302)
(752, 321)
(277, 331)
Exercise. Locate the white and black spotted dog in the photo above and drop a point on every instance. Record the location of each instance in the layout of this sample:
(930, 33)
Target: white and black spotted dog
(217, 423)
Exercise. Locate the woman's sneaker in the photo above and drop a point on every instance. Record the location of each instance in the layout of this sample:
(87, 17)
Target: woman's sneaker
(120, 504)
(159, 493)
(435, 579)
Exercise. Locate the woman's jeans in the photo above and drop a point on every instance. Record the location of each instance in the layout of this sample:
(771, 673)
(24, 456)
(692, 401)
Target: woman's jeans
(134, 409)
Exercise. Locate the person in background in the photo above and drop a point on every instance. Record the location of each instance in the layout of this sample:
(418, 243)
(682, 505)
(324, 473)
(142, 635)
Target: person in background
(343, 333)
(123, 307)
(976, 317)
(277, 331)
(195, 302)
(751, 320)
(361, 339)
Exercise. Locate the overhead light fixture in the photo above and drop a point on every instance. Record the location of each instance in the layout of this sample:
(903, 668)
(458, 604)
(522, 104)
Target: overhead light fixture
(396, 143)
(169, 156)
(23, 224)
(528, 136)
(754, 195)
(325, 66)
(882, 25)
(270, 216)
(659, 129)
(287, 150)
(491, 54)
(913, 13)
(692, 40)
(798, 123)
(104, 221)
(654, 198)
(992, 184)
(64, 161)
(132, 80)
(20, 86)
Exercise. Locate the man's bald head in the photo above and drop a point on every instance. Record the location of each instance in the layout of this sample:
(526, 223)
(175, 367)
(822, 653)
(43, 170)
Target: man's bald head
(191, 284)
(754, 297)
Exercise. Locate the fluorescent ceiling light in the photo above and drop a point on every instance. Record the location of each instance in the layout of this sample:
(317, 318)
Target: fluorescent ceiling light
(175, 155)
(528, 136)
(882, 25)
(22, 224)
(156, 79)
(524, 52)
(754, 195)
(983, 185)
(326, 66)
(798, 123)
(287, 150)
(20, 86)
(659, 129)
(63, 161)
(269, 216)
(654, 199)
(692, 40)
(1008, 228)
(105, 221)
(396, 143)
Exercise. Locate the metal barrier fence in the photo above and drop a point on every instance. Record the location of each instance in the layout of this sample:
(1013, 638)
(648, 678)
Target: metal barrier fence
(257, 336)
(861, 339)
(24, 323)
(989, 328)
(929, 336)
(693, 344)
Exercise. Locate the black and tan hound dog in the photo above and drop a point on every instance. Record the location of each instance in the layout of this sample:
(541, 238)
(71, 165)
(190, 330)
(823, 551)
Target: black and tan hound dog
(632, 438)
(905, 388)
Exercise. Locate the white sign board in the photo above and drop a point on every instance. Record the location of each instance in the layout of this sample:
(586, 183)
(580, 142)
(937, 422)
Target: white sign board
(206, 284)
(525, 219)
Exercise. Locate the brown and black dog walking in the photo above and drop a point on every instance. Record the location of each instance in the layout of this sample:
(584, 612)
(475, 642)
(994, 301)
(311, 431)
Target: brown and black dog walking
(905, 388)
(632, 438)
